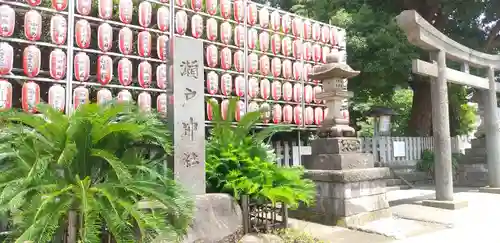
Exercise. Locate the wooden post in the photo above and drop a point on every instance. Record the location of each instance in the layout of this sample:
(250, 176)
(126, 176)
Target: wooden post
(492, 132)
(441, 131)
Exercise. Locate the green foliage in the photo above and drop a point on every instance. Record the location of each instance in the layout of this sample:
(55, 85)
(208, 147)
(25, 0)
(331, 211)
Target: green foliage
(426, 164)
(239, 162)
(99, 162)
(293, 235)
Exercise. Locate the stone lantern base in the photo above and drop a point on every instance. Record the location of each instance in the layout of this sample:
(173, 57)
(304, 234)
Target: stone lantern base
(350, 191)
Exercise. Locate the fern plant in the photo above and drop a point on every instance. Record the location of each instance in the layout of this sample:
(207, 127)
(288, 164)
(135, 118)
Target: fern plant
(94, 167)
(240, 162)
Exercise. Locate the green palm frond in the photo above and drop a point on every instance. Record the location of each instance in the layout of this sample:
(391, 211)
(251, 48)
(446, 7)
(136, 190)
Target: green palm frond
(97, 162)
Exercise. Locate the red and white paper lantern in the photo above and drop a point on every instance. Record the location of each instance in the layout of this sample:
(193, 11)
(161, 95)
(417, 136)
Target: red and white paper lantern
(306, 51)
(226, 84)
(80, 96)
(196, 5)
(276, 66)
(333, 36)
(297, 115)
(82, 66)
(31, 61)
(125, 40)
(285, 23)
(162, 47)
(124, 96)
(253, 62)
(316, 91)
(297, 49)
(287, 91)
(316, 49)
(33, 25)
(57, 65)
(144, 44)
(145, 74)
(239, 86)
(162, 104)
(212, 29)
(307, 29)
(6, 58)
(225, 8)
(239, 61)
(286, 46)
(264, 65)
(287, 69)
(58, 29)
(264, 41)
(196, 26)
(325, 50)
(8, 17)
(265, 88)
(226, 33)
(224, 105)
(297, 92)
(34, 2)
(253, 87)
(264, 18)
(5, 95)
(325, 34)
(318, 115)
(252, 13)
(144, 101)
(145, 13)
(104, 69)
(306, 71)
(308, 94)
(212, 83)
(240, 110)
(297, 70)
(276, 44)
(126, 11)
(163, 18)
(161, 76)
(316, 31)
(125, 72)
(211, 6)
(276, 90)
(277, 113)
(59, 5)
(104, 96)
(105, 37)
(210, 110)
(57, 98)
(226, 58)
(252, 38)
(105, 9)
(181, 22)
(275, 21)
(287, 114)
(212, 55)
(30, 96)
(84, 7)
(83, 33)
(239, 36)
(297, 27)
(309, 116)
(253, 106)
(266, 112)
(238, 11)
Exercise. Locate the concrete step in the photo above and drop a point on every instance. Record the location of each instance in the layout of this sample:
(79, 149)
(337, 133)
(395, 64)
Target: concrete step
(475, 152)
(394, 182)
(413, 176)
(478, 142)
(395, 188)
(468, 159)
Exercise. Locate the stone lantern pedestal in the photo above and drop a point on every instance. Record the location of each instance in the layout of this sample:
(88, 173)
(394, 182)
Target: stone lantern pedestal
(350, 190)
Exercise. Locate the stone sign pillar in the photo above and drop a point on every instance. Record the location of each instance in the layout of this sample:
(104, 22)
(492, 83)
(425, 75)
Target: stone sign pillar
(350, 191)
(186, 114)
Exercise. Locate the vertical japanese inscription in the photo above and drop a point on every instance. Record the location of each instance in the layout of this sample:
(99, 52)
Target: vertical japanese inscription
(188, 115)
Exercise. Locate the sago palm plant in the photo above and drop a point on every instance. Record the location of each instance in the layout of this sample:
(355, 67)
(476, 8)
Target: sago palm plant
(240, 161)
(89, 170)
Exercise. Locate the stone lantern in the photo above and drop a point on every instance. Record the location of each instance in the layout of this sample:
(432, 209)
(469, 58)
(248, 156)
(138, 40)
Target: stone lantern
(350, 190)
(334, 75)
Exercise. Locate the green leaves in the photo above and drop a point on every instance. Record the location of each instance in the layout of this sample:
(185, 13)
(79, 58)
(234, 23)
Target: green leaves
(95, 162)
(238, 162)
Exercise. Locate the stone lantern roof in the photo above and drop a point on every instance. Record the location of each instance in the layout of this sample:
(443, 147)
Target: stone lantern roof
(333, 68)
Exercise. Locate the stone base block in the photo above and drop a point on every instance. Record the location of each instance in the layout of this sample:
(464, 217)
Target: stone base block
(451, 205)
(339, 161)
(338, 145)
(472, 175)
(350, 206)
(331, 219)
(493, 190)
(346, 176)
(350, 190)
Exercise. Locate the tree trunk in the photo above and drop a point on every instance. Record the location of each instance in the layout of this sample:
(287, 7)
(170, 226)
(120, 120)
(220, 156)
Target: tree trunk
(72, 224)
(420, 123)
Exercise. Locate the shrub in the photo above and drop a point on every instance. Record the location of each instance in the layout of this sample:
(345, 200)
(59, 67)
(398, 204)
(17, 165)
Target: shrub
(426, 164)
(92, 167)
(240, 162)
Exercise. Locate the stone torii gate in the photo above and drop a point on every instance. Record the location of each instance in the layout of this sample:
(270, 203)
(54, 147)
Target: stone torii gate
(422, 34)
